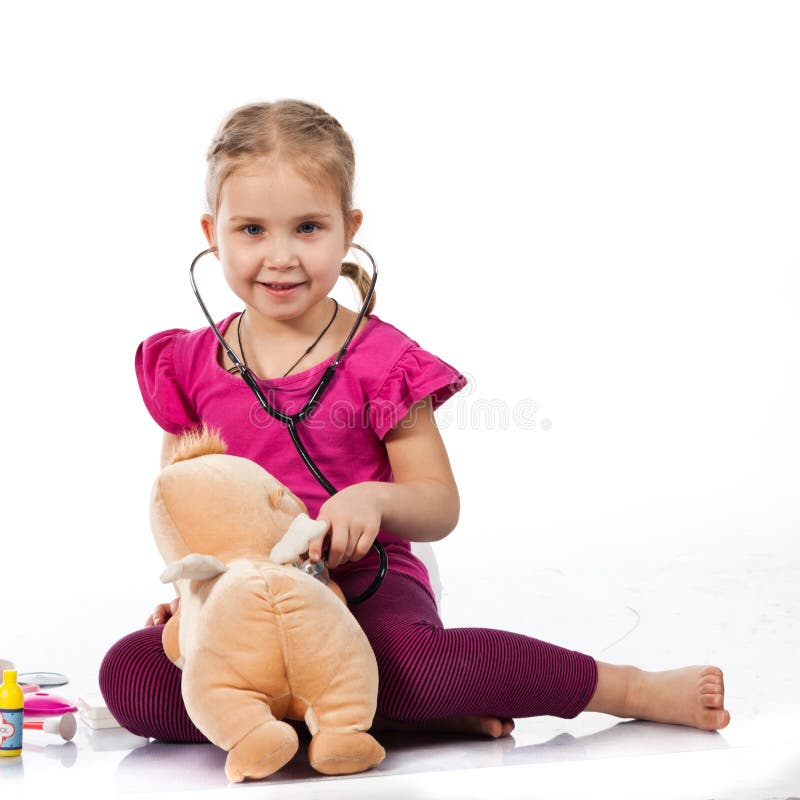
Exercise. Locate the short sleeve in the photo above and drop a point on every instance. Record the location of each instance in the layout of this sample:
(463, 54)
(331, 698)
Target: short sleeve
(162, 392)
(414, 376)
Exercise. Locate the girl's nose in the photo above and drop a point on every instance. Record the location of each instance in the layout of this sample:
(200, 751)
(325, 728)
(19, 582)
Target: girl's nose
(279, 255)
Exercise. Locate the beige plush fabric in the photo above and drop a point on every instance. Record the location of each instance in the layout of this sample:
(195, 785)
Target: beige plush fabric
(258, 641)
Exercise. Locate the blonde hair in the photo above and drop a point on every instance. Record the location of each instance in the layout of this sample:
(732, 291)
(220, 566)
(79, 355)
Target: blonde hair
(300, 133)
(196, 442)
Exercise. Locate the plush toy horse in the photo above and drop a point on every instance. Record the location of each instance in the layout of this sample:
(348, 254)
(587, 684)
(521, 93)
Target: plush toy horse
(258, 639)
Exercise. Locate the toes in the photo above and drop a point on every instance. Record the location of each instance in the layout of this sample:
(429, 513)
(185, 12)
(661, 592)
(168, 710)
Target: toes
(712, 690)
(719, 719)
(711, 670)
(713, 700)
(714, 720)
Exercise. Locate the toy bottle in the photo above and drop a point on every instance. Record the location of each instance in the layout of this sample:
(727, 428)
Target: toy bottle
(12, 704)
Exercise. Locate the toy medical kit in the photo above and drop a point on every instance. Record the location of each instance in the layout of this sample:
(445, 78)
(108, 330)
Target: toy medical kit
(99, 724)
(44, 678)
(94, 712)
(65, 726)
(11, 711)
(42, 704)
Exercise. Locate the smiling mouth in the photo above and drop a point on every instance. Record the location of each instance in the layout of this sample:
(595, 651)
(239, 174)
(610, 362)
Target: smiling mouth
(281, 286)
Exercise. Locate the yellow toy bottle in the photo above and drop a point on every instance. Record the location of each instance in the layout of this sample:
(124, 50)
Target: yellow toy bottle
(12, 703)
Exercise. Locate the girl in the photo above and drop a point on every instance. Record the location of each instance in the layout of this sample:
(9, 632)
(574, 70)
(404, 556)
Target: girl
(281, 217)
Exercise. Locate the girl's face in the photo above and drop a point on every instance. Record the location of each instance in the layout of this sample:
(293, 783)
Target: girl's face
(280, 240)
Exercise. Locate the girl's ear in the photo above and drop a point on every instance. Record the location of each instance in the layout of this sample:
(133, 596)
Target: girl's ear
(207, 224)
(357, 217)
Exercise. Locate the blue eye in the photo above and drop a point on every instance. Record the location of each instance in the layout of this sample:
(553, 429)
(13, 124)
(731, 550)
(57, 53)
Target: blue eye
(254, 230)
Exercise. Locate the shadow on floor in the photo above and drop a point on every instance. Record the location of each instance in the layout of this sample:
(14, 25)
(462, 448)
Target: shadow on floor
(194, 766)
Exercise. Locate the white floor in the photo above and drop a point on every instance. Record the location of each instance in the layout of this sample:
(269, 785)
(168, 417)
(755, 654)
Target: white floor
(742, 613)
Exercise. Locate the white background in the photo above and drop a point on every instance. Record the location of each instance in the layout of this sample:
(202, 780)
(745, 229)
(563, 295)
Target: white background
(588, 206)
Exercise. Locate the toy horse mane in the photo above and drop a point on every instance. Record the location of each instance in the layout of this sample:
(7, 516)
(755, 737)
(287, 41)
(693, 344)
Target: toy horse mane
(198, 442)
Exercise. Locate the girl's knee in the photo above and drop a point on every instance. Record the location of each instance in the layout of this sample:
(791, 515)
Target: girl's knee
(127, 660)
(123, 657)
(142, 688)
(405, 666)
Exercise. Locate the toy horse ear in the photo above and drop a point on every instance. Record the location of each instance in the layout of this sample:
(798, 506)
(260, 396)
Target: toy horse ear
(301, 532)
(275, 496)
(281, 499)
(195, 566)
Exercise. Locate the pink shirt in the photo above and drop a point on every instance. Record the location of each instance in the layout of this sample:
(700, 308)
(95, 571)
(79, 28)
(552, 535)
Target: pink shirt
(378, 379)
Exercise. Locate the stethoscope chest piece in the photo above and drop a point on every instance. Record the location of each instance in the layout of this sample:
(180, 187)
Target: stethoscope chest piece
(316, 569)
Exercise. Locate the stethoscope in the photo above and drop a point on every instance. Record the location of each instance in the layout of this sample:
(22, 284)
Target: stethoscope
(291, 420)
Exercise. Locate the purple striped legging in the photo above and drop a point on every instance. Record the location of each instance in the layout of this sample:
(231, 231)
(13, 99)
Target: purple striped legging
(426, 671)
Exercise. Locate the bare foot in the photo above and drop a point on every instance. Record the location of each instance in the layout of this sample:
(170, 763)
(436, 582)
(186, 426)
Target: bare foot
(494, 727)
(688, 696)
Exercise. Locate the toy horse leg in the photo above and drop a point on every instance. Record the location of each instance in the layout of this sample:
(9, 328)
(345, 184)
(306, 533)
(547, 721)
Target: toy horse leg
(237, 719)
(334, 751)
(339, 719)
(263, 751)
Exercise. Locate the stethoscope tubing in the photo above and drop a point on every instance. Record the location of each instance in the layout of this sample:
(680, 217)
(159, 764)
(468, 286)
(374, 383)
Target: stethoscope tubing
(291, 420)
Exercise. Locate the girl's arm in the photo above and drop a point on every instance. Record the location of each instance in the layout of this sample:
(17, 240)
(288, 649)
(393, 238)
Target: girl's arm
(421, 505)
(164, 611)
(168, 445)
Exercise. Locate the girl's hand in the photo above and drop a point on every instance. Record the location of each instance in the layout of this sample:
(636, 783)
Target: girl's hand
(354, 519)
(163, 613)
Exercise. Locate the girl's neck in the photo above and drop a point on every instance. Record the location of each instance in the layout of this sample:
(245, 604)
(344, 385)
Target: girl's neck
(261, 328)
(275, 348)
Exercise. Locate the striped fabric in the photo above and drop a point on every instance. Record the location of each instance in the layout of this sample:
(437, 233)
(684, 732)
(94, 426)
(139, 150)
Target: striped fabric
(426, 671)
